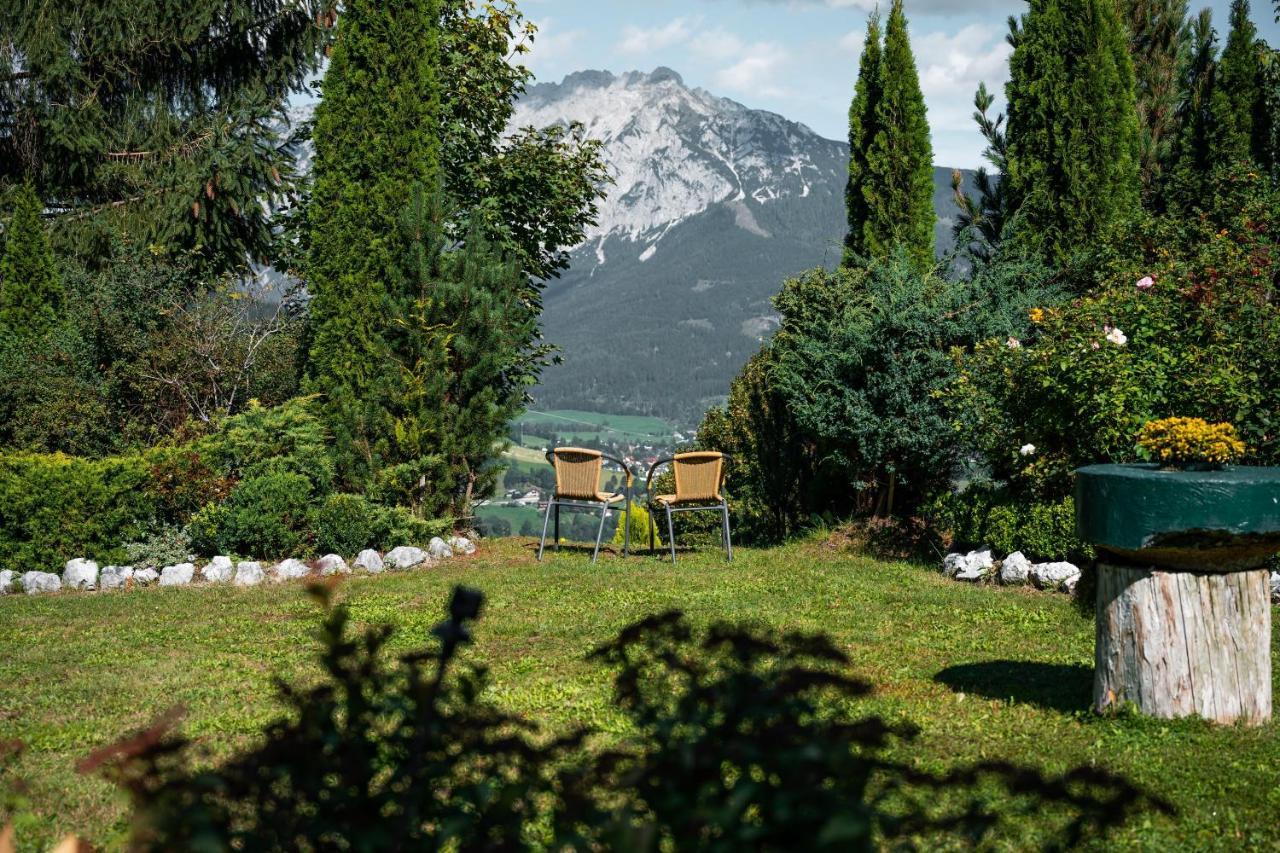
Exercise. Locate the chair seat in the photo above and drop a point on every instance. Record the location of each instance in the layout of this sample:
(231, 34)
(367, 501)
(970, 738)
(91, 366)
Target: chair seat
(600, 497)
(671, 499)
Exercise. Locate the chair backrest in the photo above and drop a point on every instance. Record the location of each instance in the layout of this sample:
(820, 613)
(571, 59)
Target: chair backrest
(577, 472)
(698, 475)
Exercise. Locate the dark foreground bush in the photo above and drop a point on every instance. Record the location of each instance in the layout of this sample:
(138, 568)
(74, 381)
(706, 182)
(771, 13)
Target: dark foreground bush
(740, 739)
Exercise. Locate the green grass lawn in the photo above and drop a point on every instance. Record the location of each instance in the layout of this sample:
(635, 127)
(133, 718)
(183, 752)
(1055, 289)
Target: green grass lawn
(987, 672)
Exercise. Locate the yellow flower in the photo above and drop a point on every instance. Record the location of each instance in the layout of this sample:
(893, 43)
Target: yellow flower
(1191, 440)
(1036, 315)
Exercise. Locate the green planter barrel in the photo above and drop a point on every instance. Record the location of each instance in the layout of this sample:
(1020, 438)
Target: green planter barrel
(1183, 600)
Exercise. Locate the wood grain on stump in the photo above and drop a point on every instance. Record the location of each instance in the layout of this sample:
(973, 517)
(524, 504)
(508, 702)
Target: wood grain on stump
(1178, 644)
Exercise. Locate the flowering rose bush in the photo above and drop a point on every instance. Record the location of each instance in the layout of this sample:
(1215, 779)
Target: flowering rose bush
(1173, 316)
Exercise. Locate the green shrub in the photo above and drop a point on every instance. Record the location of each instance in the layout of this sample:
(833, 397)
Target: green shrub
(56, 507)
(640, 522)
(183, 481)
(1179, 318)
(163, 547)
(842, 413)
(1042, 530)
(346, 524)
(265, 517)
(259, 441)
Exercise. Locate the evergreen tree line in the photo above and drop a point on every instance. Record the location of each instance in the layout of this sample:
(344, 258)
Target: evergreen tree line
(1115, 109)
(147, 173)
(1122, 119)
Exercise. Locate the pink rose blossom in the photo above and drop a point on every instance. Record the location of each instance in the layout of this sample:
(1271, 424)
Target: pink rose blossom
(1146, 283)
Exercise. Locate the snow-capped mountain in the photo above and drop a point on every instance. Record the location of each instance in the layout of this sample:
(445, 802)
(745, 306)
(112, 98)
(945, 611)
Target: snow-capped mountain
(713, 206)
(673, 152)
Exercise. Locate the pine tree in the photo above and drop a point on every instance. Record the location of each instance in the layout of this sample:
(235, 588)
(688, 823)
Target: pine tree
(862, 130)
(161, 120)
(1158, 35)
(462, 370)
(30, 291)
(898, 189)
(1074, 147)
(377, 139)
(1239, 99)
(982, 220)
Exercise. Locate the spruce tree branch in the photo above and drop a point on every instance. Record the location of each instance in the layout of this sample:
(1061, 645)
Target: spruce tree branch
(94, 211)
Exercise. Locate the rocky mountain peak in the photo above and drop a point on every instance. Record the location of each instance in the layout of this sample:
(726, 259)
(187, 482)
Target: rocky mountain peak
(674, 152)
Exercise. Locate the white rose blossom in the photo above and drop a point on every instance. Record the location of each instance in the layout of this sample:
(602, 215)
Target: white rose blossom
(1117, 337)
(1027, 449)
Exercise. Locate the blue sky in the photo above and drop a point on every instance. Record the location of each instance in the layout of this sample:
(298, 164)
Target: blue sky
(798, 57)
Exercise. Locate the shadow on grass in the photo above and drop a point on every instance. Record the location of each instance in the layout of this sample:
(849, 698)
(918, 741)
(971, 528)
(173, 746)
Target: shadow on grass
(1057, 687)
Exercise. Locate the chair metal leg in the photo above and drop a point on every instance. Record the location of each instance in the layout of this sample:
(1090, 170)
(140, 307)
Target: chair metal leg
(728, 537)
(671, 534)
(653, 548)
(626, 531)
(604, 510)
(557, 544)
(546, 518)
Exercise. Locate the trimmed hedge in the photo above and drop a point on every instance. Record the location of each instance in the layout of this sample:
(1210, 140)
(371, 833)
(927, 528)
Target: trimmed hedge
(55, 507)
(259, 485)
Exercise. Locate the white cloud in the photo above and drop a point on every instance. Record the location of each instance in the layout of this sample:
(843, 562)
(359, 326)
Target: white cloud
(638, 40)
(719, 45)
(552, 48)
(952, 66)
(852, 41)
(756, 72)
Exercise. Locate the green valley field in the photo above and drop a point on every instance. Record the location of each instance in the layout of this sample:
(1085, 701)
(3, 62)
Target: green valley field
(986, 672)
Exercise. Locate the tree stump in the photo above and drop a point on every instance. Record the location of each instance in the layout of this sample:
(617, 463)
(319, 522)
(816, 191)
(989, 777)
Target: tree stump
(1182, 643)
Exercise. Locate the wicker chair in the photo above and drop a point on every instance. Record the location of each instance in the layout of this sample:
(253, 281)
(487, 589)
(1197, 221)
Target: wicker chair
(578, 487)
(699, 478)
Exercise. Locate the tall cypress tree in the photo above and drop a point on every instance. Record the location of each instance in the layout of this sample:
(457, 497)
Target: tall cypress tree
(377, 142)
(863, 128)
(898, 189)
(1187, 175)
(1239, 104)
(1073, 125)
(30, 291)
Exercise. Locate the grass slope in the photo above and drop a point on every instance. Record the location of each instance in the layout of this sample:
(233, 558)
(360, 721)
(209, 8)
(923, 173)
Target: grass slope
(986, 672)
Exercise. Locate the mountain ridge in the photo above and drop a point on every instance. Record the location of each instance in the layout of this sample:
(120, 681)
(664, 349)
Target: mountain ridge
(714, 205)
